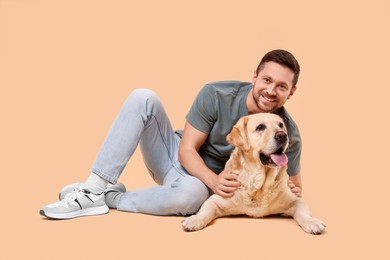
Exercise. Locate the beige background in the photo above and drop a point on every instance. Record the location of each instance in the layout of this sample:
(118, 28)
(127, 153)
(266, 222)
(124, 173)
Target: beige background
(67, 66)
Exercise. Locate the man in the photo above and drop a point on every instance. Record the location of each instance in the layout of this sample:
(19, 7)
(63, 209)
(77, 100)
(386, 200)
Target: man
(188, 166)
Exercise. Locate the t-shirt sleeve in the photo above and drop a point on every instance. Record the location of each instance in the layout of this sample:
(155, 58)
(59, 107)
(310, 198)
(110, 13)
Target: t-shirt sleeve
(202, 114)
(294, 153)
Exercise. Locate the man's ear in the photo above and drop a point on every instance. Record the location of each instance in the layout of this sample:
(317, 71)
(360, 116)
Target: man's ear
(292, 91)
(254, 78)
(239, 135)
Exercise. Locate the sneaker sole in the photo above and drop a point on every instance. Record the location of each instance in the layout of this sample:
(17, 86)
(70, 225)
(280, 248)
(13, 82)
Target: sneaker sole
(80, 213)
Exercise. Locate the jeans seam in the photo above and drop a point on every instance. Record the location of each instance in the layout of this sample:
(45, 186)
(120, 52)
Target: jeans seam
(170, 155)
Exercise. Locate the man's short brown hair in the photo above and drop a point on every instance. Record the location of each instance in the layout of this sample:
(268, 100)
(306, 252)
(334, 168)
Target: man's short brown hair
(283, 58)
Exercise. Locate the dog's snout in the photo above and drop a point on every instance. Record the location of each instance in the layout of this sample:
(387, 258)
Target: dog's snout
(281, 137)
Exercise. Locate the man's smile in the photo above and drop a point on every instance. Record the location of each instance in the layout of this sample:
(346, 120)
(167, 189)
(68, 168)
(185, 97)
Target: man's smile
(267, 98)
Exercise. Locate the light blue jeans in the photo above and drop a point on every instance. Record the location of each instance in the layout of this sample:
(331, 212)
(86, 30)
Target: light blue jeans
(142, 120)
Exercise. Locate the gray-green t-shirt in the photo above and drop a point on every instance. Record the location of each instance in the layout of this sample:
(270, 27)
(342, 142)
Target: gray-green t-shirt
(215, 111)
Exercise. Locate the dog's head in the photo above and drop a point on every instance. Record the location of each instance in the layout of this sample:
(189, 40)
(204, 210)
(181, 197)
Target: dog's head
(264, 135)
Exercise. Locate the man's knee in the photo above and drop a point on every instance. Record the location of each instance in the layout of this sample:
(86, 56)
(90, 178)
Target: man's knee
(143, 101)
(142, 95)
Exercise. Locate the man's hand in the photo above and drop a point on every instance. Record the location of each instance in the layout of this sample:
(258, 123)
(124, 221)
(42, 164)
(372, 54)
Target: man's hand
(295, 189)
(225, 184)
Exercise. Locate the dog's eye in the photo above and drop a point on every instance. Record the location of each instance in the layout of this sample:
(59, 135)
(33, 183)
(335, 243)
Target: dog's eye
(281, 125)
(261, 127)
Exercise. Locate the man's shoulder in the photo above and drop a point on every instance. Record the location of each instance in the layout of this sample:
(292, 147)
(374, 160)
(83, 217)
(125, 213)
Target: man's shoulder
(227, 83)
(226, 86)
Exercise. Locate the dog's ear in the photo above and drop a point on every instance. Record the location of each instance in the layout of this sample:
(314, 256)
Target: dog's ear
(239, 135)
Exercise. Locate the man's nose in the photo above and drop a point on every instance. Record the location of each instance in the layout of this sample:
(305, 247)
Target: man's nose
(271, 89)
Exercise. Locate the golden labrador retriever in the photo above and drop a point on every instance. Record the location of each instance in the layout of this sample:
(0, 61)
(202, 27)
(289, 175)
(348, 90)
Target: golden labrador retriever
(260, 162)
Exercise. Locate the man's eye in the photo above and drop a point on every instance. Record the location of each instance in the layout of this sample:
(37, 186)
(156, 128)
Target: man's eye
(267, 80)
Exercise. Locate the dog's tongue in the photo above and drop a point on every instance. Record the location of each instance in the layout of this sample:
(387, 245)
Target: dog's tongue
(279, 159)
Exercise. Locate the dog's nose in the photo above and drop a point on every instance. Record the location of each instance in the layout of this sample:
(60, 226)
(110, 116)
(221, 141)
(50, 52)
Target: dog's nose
(281, 137)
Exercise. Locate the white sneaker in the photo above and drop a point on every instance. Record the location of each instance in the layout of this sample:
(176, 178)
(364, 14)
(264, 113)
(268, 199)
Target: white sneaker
(77, 203)
(68, 189)
(118, 187)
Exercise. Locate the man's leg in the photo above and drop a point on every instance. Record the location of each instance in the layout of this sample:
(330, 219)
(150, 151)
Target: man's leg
(179, 192)
(142, 115)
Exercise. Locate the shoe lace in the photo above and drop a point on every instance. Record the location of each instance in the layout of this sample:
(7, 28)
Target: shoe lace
(72, 196)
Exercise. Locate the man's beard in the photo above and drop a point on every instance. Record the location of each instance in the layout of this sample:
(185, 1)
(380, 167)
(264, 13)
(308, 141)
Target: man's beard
(259, 104)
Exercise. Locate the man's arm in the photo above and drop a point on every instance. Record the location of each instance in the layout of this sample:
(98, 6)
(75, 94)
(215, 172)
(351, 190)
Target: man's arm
(295, 184)
(223, 184)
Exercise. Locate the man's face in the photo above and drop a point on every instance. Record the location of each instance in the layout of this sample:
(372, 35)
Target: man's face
(271, 88)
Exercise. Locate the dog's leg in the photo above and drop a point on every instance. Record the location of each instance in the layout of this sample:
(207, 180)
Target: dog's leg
(210, 210)
(301, 214)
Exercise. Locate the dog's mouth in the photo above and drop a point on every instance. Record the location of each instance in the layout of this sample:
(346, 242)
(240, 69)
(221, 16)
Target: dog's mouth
(278, 158)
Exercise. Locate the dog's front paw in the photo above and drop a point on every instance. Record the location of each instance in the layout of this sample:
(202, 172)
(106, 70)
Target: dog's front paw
(313, 226)
(193, 223)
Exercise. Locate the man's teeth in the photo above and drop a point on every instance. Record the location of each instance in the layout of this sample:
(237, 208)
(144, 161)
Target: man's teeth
(269, 99)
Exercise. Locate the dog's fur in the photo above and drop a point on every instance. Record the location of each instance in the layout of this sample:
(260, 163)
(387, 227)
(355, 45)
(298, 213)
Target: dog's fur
(264, 190)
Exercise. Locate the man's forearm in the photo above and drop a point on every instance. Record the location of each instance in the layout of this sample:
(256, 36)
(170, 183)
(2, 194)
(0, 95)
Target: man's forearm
(295, 184)
(194, 164)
